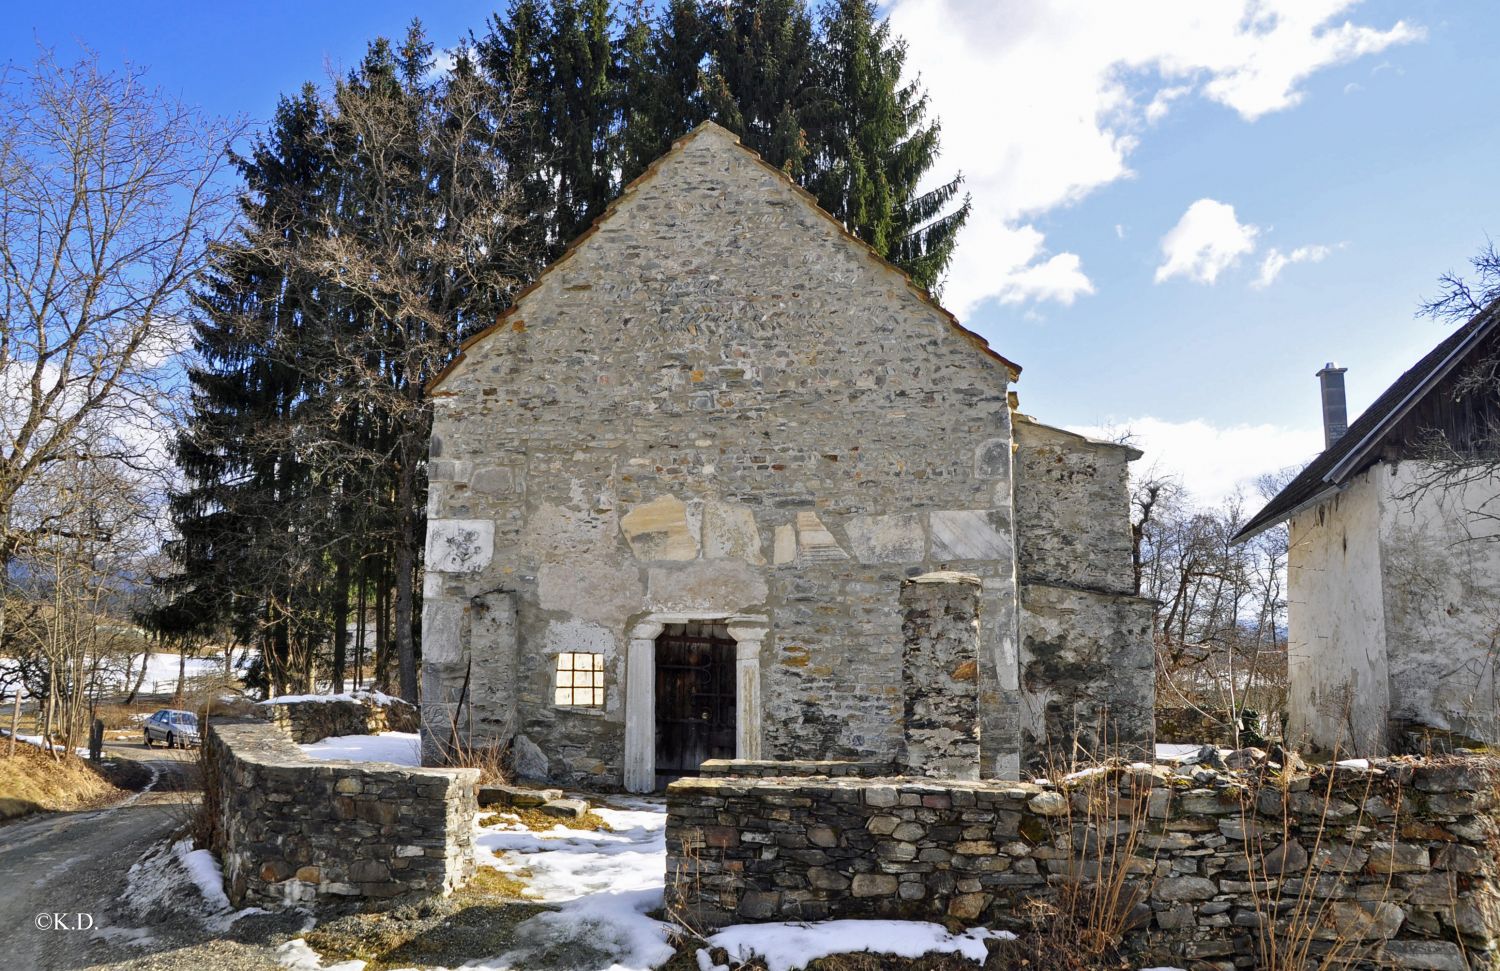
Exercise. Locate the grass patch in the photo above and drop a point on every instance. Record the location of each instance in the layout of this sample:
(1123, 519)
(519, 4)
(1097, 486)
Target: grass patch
(34, 781)
(473, 923)
(538, 821)
(491, 882)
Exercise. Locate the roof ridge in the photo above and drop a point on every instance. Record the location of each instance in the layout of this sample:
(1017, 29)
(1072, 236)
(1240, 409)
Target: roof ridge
(1331, 468)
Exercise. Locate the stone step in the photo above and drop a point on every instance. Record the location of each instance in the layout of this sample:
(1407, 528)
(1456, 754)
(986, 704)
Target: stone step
(518, 797)
(565, 808)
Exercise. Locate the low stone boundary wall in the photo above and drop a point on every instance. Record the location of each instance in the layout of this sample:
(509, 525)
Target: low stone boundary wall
(765, 768)
(291, 829)
(1394, 864)
(311, 719)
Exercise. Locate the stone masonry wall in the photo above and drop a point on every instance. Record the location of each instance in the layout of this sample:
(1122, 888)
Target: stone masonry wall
(1395, 864)
(766, 768)
(290, 829)
(940, 676)
(366, 713)
(1087, 676)
(716, 406)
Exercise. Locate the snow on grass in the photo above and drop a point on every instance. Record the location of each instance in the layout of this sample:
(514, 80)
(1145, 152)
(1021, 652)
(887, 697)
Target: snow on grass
(400, 748)
(40, 742)
(373, 697)
(604, 883)
(787, 946)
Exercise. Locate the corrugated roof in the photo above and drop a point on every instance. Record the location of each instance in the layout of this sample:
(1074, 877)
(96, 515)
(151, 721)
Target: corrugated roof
(1361, 444)
(651, 170)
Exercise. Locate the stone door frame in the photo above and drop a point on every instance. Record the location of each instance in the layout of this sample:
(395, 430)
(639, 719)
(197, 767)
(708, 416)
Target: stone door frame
(748, 632)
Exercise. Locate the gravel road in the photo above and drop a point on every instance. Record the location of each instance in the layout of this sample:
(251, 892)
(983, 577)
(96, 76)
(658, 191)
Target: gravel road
(63, 873)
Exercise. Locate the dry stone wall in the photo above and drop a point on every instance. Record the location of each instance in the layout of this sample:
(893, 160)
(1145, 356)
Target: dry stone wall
(290, 829)
(361, 713)
(766, 768)
(1395, 864)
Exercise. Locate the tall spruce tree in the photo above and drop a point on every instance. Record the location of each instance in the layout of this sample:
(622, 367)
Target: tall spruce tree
(763, 78)
(242, 522)
(580, 109)
(872, 144)
(387, 220)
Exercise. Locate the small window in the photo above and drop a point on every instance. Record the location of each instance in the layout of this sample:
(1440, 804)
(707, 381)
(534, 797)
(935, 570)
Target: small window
(580, 680)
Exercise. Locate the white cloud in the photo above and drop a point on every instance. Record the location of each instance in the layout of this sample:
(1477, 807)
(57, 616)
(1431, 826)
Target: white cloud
(1210, 461)
(1276, 261)
(1206, 241)
(1060, 278)
(1043, 101)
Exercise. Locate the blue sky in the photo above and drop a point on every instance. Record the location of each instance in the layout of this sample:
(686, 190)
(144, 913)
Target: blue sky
(1355, 140)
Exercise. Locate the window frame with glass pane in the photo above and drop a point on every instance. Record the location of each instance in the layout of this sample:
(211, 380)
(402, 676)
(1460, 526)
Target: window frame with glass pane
(578, 680)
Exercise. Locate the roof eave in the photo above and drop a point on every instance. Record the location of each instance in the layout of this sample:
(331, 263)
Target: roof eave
(1359, 456)
(1254, 528)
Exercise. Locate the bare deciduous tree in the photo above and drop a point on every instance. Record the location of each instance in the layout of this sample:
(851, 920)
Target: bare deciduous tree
(109, 192)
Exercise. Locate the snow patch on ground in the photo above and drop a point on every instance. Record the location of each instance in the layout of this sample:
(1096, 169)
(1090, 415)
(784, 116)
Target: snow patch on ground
(402, 748)
(372, 696)
(295, 955)
(128, 936)
(160, 879)
(604, 884)
(40, 742)
(787, 946)
(204, 869)
(1176, 752)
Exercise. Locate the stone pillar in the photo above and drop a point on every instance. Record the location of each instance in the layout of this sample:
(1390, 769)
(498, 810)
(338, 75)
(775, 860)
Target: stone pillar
(940, 675)
(640, 708)
(747, 715)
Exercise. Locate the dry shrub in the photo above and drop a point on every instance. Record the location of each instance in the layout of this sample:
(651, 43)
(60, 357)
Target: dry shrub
(488, 759)
(1104, 885)
(1302, 928)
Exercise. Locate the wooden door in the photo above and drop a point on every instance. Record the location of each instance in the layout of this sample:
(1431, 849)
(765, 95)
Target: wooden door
(695, 700)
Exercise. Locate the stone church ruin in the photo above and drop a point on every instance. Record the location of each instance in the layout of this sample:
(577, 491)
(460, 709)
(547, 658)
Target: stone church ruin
(677, 488)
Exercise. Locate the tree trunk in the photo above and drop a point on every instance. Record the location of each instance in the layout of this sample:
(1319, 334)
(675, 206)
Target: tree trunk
(15, 720)
(140, 678)
(406, 657)
(381, 673)
(340, 621)
(181, 675)
(359, 637)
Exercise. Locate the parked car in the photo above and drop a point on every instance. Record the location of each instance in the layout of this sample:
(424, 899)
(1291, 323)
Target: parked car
(176, 728)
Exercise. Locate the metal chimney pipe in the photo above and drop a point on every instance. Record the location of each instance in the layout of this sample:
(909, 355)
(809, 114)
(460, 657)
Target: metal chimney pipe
(1335, 409)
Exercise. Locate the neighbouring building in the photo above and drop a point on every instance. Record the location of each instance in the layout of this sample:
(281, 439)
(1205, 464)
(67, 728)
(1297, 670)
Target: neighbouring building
(1393, 567)
(677, 487)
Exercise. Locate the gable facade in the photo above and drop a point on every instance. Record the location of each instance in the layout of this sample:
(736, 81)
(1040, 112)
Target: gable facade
(1393, 565)
(677, 487)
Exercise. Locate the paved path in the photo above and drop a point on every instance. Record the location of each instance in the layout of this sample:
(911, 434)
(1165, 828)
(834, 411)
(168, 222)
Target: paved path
(75, 863)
